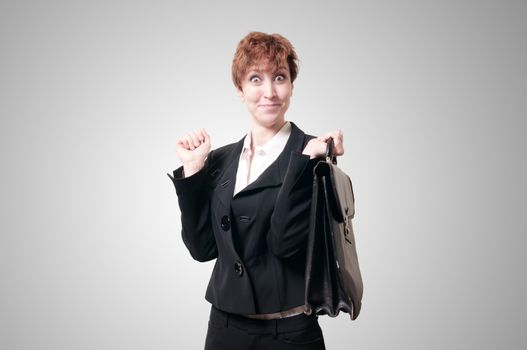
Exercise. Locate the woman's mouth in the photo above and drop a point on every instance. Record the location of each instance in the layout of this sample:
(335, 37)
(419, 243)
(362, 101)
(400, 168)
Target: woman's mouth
(270, 105)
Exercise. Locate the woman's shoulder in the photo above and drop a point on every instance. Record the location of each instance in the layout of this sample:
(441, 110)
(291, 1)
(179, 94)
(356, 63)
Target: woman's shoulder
(296, 129)
(221, 154)
(227, 149)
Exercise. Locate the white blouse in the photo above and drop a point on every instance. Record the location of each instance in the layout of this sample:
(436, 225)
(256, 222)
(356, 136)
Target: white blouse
(264, 155)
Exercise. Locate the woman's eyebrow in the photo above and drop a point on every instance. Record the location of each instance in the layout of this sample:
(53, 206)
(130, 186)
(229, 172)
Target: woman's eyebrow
(259, 70)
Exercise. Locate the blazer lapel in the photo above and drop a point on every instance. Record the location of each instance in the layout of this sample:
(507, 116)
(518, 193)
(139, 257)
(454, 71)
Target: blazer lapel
(225, 187)
(274, 175)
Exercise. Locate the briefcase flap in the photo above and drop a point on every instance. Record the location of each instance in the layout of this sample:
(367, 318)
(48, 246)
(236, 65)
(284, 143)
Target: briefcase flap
(340, 196)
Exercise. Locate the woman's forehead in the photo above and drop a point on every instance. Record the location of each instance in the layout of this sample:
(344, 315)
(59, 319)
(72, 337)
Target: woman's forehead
(266, 66)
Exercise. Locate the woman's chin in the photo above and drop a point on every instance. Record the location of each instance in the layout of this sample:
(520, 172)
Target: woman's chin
(269, 118)
(269, 122)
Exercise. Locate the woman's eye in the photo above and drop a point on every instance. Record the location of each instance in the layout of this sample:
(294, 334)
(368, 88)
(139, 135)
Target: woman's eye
(254, 79)
(280, 77)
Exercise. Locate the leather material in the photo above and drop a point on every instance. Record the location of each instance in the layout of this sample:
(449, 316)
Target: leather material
(333, 278)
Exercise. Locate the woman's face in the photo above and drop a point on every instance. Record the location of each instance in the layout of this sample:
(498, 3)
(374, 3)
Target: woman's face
(267, 92)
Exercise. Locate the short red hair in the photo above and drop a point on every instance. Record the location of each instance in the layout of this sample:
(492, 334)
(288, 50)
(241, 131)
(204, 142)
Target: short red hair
(258, 47)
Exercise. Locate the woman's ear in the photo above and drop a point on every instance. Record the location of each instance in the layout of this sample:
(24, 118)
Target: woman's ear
(240, 93)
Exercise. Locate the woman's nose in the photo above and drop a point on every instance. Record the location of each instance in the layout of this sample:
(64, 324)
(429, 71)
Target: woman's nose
(269, 90)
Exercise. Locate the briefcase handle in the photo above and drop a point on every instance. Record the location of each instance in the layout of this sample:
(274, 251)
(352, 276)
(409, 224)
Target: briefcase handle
(330, 157)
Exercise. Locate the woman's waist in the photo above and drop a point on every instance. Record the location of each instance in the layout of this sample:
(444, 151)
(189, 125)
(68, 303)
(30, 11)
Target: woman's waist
(287, 324)
(294, 311)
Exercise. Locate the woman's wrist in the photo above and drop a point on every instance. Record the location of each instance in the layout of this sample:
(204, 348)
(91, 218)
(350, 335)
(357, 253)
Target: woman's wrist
(315, 149)
(192, 167)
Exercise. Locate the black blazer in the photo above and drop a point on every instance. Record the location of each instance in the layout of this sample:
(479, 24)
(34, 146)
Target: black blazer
(258, 236)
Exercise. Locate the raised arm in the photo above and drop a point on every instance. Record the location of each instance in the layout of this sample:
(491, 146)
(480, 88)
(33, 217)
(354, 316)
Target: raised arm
(192, 188)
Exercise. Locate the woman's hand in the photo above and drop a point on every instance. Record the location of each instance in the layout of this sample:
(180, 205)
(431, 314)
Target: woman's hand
(317, 147)
(192, 149)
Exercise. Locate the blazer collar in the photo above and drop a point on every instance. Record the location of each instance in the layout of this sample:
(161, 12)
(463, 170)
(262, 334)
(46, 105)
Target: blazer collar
(272, 176)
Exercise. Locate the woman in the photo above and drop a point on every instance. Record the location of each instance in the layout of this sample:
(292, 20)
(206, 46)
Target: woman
(247, 205)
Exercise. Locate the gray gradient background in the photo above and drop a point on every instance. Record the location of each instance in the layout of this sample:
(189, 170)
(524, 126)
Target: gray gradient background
(431, 97)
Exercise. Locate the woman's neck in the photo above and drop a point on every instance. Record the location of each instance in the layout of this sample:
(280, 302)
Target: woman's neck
(261, 134)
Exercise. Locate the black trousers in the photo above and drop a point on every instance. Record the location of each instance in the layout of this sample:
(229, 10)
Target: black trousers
(234, 332)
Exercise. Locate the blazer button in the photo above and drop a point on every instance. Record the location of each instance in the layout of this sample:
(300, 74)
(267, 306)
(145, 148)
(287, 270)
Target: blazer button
(238, 268)
(225, 223)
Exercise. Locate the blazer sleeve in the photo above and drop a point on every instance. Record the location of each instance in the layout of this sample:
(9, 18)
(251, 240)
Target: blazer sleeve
(290, 218)
(194, 203)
